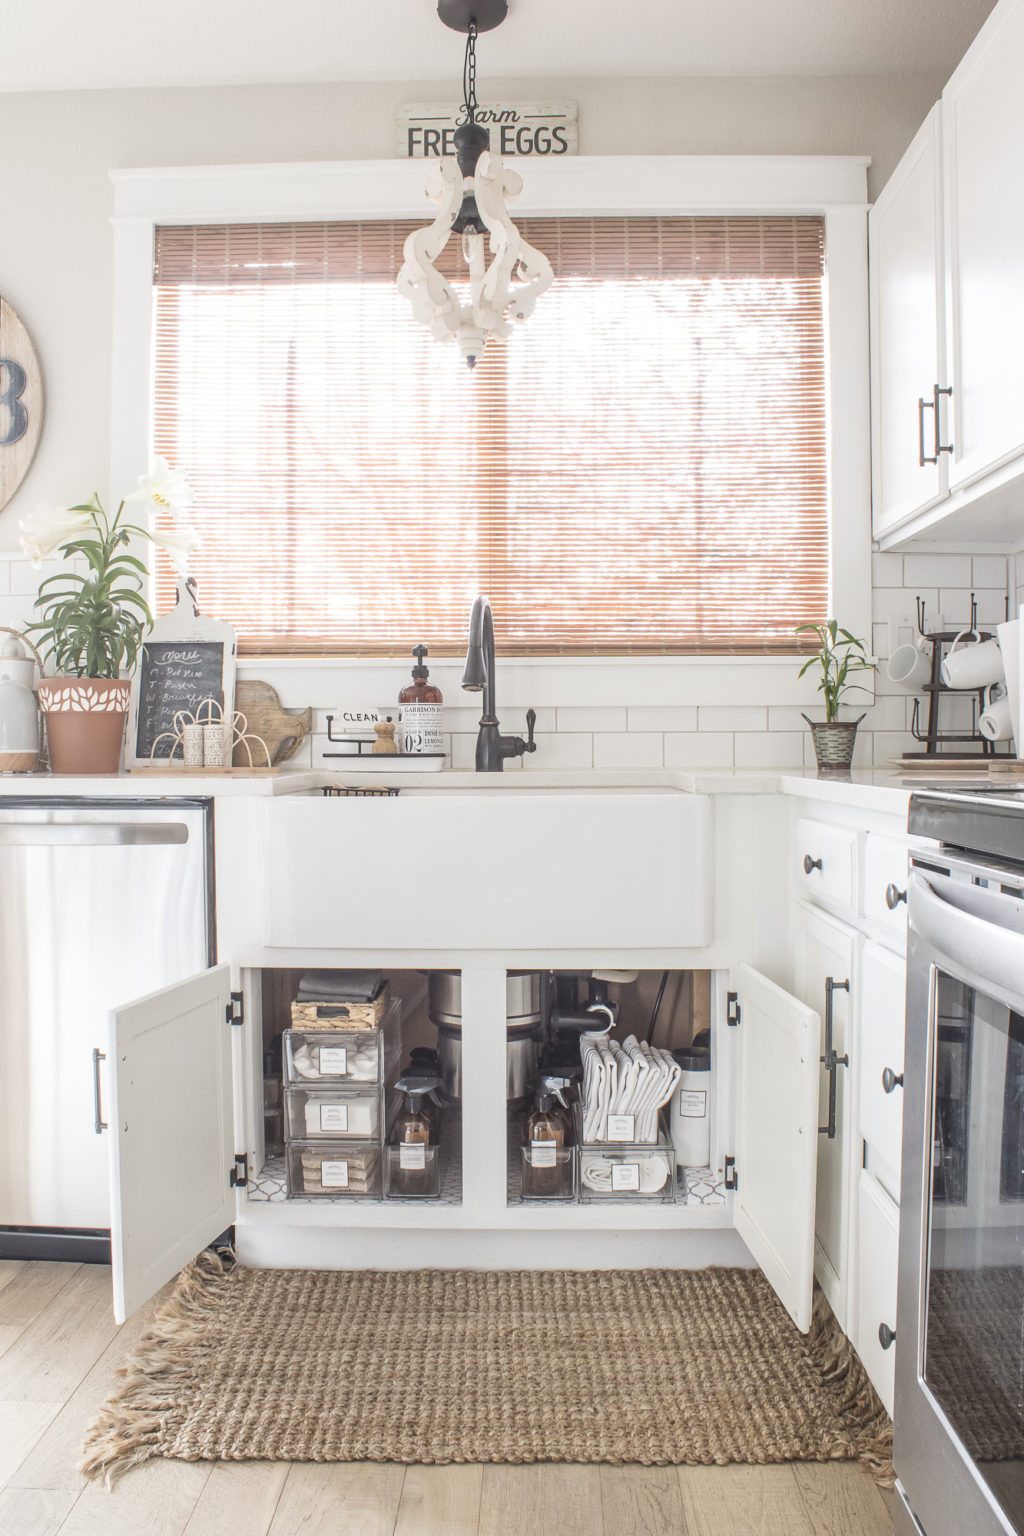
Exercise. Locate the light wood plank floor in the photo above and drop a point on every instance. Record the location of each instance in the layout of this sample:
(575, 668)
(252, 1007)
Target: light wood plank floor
(59, 1350)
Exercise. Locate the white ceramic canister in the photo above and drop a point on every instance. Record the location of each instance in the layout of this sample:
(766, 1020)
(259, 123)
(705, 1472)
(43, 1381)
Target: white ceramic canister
(690, 1116)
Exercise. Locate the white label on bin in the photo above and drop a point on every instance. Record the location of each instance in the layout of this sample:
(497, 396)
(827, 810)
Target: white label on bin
(334, 1117)
(544, 1154)
(334, 1175)
(334, 1061)
(621, 1127)
(412, 1154)
(693, 1103)
(625, 1175)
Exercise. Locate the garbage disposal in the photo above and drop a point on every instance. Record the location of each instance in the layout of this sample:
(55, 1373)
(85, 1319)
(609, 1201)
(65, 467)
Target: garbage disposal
(523, 1014)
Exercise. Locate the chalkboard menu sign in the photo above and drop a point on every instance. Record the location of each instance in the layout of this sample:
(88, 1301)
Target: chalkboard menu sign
(175, 675)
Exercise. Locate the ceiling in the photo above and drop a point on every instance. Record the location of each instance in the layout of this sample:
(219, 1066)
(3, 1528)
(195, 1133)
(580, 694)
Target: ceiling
(71, 44)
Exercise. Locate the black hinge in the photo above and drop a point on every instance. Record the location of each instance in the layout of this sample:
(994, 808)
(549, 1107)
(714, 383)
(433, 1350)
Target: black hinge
(732, 1178)
(733, 1011)
(234, 1011)
(238, 1176)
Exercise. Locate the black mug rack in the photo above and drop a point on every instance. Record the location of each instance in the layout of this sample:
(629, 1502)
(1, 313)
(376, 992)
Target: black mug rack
(934, 738)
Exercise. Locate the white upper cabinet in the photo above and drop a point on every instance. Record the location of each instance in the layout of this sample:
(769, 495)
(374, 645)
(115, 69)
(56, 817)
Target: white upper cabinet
(983, 138)
(910, 413)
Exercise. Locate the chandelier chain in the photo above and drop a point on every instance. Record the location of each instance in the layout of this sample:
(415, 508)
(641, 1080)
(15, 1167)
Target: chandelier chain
(469, 75)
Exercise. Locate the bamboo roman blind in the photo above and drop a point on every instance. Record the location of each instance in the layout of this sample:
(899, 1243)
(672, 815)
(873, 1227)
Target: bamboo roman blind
(639, 470)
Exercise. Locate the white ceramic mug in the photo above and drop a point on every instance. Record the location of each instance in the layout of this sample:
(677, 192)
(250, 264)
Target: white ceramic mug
(911, 665)
(996, 723)
(972, 666)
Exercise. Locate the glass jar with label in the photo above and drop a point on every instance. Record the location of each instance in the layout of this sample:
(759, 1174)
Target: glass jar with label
(548, 1160)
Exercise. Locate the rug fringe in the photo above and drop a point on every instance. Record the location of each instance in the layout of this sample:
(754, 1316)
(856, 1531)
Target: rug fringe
(868, 1425)
(137, 1414)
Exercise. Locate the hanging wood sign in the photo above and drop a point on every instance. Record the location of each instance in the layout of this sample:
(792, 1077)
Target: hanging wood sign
(21, 402)
(530, 129)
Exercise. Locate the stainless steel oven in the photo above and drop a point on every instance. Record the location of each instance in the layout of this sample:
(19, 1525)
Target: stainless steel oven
(959, 1414)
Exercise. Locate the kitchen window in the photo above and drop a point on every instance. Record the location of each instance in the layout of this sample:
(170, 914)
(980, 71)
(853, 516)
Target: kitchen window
(639, 469)
(481, 482)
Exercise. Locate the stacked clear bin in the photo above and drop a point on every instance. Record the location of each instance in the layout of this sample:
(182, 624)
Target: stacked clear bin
(336, 1107)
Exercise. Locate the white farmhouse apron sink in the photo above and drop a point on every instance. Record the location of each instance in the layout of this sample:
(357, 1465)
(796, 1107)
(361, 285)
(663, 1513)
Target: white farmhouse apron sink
(491, 868)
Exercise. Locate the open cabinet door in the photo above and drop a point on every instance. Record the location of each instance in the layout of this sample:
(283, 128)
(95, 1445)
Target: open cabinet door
(172, 1132)
(777, 1136)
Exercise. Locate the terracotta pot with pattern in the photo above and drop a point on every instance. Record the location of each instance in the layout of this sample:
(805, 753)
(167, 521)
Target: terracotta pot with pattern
(85, 719)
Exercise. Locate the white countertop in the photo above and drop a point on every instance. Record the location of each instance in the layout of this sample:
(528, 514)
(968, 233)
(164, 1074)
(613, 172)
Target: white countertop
(883, 790)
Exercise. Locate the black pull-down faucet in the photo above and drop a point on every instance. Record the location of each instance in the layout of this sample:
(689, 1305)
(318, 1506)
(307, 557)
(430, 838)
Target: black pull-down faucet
(492, 747)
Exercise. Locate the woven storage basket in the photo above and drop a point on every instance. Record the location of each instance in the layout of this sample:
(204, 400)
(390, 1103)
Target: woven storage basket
(335, 1015)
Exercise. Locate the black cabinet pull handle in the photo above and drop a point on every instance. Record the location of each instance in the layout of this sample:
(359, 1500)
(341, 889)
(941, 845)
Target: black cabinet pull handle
(940, 446)
(922, 457)
(810, 865)
(891, 1080)
(886, 1336)
(831, 1060)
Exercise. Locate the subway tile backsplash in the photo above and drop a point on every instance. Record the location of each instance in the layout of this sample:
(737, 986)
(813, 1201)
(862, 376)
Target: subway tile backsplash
(719, 713)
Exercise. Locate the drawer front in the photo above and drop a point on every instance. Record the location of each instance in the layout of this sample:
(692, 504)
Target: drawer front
(885, 887)
(878, 1230)
(826, 862)
(883, 986)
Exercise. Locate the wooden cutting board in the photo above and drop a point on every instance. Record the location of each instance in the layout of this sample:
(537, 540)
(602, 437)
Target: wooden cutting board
(283, 730)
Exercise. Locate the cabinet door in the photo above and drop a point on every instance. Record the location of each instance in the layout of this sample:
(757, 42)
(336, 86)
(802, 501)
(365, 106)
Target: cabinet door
(172, 1132)
(907, 361)
(983, 131)
(827, 954)
(777, 1136)
(878, 1231)
(882, 1034)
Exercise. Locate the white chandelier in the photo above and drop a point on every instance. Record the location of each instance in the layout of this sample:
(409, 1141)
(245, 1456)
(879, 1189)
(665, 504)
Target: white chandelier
(471, 196)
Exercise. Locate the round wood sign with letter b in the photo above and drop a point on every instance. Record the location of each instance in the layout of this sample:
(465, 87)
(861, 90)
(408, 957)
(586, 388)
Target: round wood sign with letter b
(21, 402)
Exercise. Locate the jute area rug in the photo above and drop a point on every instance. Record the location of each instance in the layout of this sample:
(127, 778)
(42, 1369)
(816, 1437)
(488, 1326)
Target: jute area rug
(654, 1367)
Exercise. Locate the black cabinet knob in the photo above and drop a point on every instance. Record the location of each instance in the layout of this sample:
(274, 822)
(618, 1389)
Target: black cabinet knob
(810, 865)
(886, 1336)
(891, 1080)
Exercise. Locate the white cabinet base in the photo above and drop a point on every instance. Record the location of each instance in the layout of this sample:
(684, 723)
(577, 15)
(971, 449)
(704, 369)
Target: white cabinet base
(877, 1264)
(263, 1245)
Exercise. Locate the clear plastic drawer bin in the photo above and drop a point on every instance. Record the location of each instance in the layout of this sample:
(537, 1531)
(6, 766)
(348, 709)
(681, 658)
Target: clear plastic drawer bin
(316, 1171)
(334, 1113)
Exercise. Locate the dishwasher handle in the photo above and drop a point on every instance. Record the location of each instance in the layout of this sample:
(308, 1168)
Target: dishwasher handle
(91, 834)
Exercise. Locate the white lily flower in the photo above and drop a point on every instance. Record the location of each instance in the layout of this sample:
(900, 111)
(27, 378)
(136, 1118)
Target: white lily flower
(45, 529)
(166, 489)
(178, 543)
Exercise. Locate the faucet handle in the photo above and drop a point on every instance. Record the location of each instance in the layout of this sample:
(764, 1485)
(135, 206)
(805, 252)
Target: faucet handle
(531, 720)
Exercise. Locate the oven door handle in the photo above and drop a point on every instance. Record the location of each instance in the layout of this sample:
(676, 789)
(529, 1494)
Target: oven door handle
(981, 932)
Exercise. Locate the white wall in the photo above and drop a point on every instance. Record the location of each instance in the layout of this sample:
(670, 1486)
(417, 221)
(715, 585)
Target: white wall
(55, 268)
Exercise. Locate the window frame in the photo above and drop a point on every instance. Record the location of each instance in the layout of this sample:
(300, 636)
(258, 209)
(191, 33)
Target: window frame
(834, 187)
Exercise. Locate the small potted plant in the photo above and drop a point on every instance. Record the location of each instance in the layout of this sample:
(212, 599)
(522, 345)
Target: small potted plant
(838, 656)
(92, 622)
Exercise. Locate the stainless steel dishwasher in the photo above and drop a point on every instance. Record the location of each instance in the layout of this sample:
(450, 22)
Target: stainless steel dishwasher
(101, 901)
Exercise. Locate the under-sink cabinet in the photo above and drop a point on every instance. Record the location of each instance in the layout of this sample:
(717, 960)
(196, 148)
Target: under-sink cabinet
(185, 1093)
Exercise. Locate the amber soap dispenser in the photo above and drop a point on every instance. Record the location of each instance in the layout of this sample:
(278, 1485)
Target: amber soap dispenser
(420, 708)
